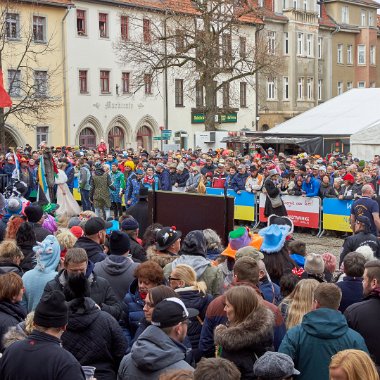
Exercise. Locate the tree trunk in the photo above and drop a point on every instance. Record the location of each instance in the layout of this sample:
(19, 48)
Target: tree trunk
(210, 102)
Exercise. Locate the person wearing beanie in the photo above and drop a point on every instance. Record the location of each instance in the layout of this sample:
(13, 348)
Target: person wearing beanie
(140, 213)
(131, 227)
(40, 356)
(102, 343)
(118, 267)
(314, 267)
(180, 178)
(34, 215)
(193, 253)
(273, 201)
(322, 333)
(47, 258)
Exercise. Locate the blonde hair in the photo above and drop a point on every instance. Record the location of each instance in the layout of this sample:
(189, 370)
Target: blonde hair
(187, 274)
(66, 238)
(356, 364)
(9, 250)
(301, 302)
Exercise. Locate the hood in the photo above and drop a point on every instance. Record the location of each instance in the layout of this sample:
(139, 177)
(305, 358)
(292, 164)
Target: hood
(194, 244)
(198, 263)
(154, 350)
(325, 323)
(191, 297)
(116, 265)
(47, 254)
(82, 314)
(91, 247)
(16, 310)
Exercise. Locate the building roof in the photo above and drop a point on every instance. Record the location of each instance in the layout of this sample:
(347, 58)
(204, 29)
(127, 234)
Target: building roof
(59, 3)
(343, 115)
(325, 19)
(371, 3)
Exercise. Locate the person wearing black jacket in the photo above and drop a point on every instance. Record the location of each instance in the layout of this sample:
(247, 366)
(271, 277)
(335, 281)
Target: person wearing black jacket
(163, 177)
(273, 201)
(140, 211)
(361, 237)
(100, 290)
(26, 240)
(181, 176)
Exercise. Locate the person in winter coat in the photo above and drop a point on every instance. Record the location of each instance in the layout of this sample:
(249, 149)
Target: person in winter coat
(148, 275)
(130, 226)
(140, 212)
(214, 244)
(41, 355)
(76, 262)
(35, 216)
(273, 201)
(325, 187)
(363, 316)
(84, 181)
(133, 185)
(322, 333)
(11, 310)
(255, 181)
(183, 280)
(296, 189)
(159, 348)
(164, 182)
(311, 186)
(47, 257)
(193, 253)
(26, 239)
(193, 180)
(10, 257)
(239, 180)
(150, 179)
(249, 333)
(230, 177)
(118, 267)
(93, 336)
(181, 177)
(118, 181)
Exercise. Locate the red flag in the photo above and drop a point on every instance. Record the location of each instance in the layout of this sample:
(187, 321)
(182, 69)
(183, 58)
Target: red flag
(5, 99)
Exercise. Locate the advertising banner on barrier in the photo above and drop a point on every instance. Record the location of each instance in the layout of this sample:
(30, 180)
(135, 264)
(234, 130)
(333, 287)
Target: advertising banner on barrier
(336, 214)
(304, 211)
(244, 203)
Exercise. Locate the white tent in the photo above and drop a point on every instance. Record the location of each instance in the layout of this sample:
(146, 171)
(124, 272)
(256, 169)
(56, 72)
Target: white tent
(354, 114)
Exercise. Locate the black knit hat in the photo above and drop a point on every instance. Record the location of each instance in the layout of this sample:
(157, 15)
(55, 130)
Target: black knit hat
(52, 310)
(34, 213)
(119, 243)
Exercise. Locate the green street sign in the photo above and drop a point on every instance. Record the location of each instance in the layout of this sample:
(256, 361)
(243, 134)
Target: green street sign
(199, 118)
(229, 118)
(157, 138)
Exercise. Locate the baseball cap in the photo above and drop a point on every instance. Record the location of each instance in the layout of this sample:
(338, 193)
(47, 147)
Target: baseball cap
(94, 225)
(170, 312)
(166, 236)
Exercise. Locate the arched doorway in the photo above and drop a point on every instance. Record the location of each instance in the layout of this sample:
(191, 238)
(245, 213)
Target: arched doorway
(116, 138)
(10, 140)
(144, 138)
(87, 138)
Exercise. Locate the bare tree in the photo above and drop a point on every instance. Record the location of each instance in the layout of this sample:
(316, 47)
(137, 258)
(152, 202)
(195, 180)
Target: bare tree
(214, 41)
(24, 48)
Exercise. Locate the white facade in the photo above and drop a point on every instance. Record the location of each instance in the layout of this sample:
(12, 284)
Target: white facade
(135, 114)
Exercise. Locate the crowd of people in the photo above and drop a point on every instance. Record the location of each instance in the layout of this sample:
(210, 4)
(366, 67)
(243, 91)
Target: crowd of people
(87, 294)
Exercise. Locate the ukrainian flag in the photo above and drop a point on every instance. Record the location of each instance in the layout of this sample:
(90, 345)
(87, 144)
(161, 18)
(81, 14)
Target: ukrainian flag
(336, 214)
(42, 181)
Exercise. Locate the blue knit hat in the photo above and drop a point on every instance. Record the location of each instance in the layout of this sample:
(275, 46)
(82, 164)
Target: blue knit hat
(13, 206)
(274, 238)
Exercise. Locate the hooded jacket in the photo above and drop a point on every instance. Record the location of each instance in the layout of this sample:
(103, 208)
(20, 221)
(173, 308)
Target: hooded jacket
(193, 252)
(94, 338)
(153, 353)
(322, 333)
(94, 250)
(100, 291)
(244, 343)
(118, 271)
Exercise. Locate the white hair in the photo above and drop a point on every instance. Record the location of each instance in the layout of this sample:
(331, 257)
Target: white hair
(366, 251)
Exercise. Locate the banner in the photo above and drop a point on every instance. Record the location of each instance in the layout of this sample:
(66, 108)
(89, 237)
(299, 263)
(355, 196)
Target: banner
(336, 214)
(303, 211)
(244, 203)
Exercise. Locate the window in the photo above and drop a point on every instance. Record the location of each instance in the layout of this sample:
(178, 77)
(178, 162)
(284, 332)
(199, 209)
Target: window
(299, 43)
(363, 18)
(305, 5)
(12, 27)
(320, 47)
(309, 45)
(349, 55)
(349, 86)
(271, 42)
(103, 25)
(271, 89)
(320, 89)
(104, 82)
(148, 83)
(285, 93)
(340, 53)
(340, 88)
(199, 98)
(372, 55)
(125, 79)
(361, 84)
(42, 135)
(300, 89)
(179, 41)
(286, 43)
(295, 4)
(83, 82)
(179, 92)
(226, 50)
(261, 3)
(226, 95)
(146, 31)
(370, 19)
(243, 94)
(14, 83)
(309, 88)
(345, 15)
(242, 47)
(40, 83)
(39, 29)
(361, 54)
(124, 27)
(372, 84)
(81, 22)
